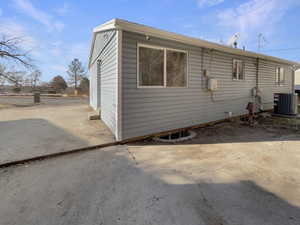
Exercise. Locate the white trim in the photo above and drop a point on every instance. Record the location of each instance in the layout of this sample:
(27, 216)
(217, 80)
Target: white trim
(165, 49)
(106, 26)
(150, 46)
(150, 31)
(119, 105)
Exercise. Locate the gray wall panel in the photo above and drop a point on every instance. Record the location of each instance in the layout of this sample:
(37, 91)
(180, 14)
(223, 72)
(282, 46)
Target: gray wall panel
(267, 82)
(147, 111)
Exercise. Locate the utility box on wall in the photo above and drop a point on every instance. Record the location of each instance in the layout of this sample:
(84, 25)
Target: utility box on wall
(212, 84)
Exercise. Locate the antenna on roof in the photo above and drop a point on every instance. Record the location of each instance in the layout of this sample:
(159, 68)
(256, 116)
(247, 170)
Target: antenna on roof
(232, 41)
(261, 40)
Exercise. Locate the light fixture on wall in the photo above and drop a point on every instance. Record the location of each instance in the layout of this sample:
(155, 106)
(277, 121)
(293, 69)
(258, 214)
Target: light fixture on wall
(147, 38)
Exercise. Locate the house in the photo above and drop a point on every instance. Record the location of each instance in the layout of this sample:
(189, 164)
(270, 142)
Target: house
(297, 81)
(146, 80)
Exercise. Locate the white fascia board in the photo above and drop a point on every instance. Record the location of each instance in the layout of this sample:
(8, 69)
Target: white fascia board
(91, 49)
(106, 26)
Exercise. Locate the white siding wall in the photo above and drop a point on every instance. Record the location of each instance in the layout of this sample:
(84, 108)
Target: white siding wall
(148, 111)
(109, 84)
(104, 96)
(101, 41)
(266, 82)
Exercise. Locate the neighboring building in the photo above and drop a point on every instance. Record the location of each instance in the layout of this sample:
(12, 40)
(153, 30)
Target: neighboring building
(297, 81)
(146, 80)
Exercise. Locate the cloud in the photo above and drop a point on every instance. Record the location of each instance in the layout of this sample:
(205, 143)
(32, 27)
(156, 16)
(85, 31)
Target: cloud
(59, 68)
(209, 3)
(42, 17)
(255, 15)
(11, 29)
(64, 9)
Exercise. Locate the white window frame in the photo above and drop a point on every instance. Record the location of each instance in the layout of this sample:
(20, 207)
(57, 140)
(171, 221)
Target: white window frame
(277, 78)
(165, 65)
(237, 72)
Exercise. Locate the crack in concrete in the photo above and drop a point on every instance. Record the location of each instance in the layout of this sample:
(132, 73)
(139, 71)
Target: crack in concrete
(132, 155)
(208, 213)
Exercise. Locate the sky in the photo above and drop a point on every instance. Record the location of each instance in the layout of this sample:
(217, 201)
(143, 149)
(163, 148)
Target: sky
(56, 31)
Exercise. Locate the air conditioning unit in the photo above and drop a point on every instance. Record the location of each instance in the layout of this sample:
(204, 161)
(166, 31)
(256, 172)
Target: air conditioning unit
(286, 104)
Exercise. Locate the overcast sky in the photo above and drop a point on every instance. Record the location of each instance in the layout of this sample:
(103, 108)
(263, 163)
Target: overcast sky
(57, 31)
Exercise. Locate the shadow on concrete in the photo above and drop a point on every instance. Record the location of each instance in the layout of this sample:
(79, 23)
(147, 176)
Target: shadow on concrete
(107, 187)
(27, 138)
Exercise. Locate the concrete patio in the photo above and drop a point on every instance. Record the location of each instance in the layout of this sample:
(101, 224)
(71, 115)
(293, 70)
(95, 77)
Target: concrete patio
(55, 125)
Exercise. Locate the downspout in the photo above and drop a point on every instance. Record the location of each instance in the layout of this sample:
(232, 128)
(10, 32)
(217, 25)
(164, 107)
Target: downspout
(257, 71)
(258, 98)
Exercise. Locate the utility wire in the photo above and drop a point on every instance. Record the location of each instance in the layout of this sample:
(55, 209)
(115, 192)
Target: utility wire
(282, 49)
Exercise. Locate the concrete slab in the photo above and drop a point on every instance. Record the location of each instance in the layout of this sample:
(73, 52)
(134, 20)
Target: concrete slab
(228, 175)
(55, 125)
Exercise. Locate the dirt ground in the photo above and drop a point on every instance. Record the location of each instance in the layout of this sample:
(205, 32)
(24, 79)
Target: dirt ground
(230, 174)
(55, 125)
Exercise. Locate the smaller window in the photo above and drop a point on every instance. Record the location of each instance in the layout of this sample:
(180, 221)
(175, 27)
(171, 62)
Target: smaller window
(279, 76)
(238, 70)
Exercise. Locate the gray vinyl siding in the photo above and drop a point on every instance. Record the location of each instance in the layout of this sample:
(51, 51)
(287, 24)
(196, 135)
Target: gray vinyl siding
(109, 84)
(101, 41)
(152, 110)
(267, 85)
(105, 49)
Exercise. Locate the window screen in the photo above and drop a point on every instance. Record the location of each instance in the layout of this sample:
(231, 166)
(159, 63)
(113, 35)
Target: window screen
(151, 67)
(279, 76)
(176, 69)
(238, 70)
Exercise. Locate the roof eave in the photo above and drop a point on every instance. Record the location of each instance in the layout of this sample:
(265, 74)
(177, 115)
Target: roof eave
(106, 26)
(150, 31)
(142, 29)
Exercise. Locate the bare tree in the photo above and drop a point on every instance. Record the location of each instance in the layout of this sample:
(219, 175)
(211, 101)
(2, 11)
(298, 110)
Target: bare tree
(11, 51)
(12, 76)
(34, 78)
(16, 77)
(76, 72)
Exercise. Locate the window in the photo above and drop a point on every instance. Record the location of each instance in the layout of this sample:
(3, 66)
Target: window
(151, 67)
(279, 76)
(238, 70)
(161, 67)
(176, 69)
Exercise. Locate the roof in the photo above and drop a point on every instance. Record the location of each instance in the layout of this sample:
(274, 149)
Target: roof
(150, 31)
